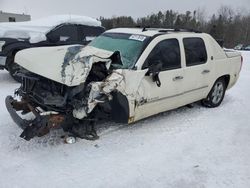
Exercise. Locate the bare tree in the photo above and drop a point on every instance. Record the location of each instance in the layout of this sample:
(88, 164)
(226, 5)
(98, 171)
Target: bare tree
(228, 24)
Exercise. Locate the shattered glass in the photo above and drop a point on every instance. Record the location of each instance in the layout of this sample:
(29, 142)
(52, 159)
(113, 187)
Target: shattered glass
(129, 48)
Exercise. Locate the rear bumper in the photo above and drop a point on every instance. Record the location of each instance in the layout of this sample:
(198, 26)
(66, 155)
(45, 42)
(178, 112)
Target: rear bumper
(233, 80)
(2, 62)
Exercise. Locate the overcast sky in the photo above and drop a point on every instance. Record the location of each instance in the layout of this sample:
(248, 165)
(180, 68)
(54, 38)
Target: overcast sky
(109, 8)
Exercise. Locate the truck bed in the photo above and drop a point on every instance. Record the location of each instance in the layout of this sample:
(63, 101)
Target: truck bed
(231, 53)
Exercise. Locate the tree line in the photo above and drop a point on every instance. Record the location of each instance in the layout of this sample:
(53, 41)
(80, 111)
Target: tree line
(229, 25)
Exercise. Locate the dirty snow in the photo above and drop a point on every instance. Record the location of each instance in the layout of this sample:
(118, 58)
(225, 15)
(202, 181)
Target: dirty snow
(183, 148)
(36, 30)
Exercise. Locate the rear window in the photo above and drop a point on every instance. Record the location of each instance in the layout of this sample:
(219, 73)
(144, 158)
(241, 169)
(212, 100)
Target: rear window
(65, 33)
(88, 33)
(195, 51)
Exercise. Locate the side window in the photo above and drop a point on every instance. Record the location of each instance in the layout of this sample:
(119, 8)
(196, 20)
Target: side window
(88, 33)
(167, 52)
(12, 19)
(195, 51)
(65, 33)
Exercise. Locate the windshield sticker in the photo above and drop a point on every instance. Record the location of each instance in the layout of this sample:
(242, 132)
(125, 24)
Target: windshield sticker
(137, 37)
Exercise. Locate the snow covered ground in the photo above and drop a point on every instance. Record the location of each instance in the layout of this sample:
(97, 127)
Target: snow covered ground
(183, 148)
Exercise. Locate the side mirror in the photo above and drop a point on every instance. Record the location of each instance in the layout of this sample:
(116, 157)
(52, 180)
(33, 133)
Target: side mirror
(154, 69)
(155, 66)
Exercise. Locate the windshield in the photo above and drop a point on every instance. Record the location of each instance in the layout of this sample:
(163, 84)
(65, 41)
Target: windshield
(130, 47)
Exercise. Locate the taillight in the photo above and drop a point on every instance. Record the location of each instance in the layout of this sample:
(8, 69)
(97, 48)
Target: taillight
(241, 63)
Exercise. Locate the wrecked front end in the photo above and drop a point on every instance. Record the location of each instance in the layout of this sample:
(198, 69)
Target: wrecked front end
(74, 103)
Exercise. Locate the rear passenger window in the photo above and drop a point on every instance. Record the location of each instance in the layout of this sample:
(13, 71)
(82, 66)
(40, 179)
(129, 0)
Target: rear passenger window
(167, 52)
(195, 51)
(64, 33)
(88, 33)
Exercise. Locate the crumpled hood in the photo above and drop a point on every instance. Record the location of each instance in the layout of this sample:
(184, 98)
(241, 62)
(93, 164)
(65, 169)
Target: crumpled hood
(69, 65)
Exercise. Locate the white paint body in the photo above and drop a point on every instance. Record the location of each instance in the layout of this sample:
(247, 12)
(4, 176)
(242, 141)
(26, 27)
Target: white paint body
(145, 98)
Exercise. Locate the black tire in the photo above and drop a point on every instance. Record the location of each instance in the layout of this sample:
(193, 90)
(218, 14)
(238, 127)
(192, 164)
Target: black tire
(13, 68)
(216, 95)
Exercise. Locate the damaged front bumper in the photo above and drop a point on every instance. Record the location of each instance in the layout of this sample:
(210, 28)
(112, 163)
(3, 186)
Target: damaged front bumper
(22, 123)
(39, 126)
(82, 88)
(45, 121)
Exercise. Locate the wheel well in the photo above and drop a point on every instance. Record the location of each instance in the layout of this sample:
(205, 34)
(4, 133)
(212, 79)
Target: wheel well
(11, 55)
(13, 52)
(226, 79)
(119, 108)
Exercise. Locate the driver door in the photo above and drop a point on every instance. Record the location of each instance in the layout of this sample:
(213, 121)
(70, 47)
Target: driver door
(164, 91)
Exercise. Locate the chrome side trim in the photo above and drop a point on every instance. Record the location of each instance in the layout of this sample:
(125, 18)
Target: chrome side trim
(172, 96)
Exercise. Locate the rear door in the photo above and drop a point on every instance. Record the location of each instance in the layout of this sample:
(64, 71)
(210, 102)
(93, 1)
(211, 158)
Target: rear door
(197, 70)
(155, 98)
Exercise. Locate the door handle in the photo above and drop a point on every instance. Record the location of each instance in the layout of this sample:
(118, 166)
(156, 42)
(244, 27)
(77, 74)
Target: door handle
(205, 71)
(177, 78)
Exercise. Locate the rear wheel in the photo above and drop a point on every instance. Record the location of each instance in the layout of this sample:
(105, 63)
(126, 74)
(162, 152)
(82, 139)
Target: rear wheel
(216, 95)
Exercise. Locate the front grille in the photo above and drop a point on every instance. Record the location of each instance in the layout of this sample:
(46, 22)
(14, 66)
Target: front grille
(44, 92)
(28, 85)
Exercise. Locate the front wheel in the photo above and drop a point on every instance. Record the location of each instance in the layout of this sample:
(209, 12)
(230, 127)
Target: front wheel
(216, 95)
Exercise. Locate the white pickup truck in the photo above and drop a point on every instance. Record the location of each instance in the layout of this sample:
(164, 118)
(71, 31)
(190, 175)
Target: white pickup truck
(123, 75)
